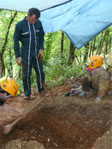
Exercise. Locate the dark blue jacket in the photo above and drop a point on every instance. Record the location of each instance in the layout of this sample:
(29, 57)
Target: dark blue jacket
(31, 37)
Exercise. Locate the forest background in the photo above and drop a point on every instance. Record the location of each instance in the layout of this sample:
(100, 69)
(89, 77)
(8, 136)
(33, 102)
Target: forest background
(61, 59)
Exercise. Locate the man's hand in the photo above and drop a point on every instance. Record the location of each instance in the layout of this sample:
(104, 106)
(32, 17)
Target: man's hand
(19, 61)
(41, 54)
(97, 100)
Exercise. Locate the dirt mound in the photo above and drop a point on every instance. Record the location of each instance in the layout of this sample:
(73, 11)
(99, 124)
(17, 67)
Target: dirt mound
(105, 142)
(71, 122)
(18, 144)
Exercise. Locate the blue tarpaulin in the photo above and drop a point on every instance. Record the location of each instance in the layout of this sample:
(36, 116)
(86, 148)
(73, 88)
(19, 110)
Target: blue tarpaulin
(24, 5)
(81, 20)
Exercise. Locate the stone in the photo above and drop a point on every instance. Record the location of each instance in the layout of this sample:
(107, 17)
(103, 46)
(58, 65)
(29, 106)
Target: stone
(19, 144)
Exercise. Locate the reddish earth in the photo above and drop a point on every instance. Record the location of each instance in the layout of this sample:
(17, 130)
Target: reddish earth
(70, 122)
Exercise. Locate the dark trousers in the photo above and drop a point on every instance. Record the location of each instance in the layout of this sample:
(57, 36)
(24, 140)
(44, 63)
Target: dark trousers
(26, 73)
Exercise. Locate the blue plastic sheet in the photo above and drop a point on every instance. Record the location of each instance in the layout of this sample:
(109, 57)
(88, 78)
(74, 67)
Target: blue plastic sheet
(81, 20)
(24, 5)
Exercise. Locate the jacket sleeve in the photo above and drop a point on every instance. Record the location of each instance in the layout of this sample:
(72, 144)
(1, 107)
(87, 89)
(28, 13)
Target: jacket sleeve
(41, 37)
(103, 84)
(16, 38)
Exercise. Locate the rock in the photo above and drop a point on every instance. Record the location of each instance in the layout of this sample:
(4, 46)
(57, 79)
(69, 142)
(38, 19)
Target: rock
(42, 128)
(48, 140)
(15, 144)
(32, 145)
(55, 144)
(19, 144)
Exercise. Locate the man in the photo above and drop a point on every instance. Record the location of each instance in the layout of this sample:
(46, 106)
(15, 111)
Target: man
(8, 88)
(98, 78)
(95, 83)
(29, 32)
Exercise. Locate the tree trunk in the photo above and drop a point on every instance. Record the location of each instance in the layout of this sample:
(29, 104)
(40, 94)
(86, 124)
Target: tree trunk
(71, 54)
(62, 45)
(86, 52)
(2, 68)
(10, 68)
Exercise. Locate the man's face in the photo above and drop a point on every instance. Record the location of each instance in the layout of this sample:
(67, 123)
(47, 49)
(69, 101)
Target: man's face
(32, 19)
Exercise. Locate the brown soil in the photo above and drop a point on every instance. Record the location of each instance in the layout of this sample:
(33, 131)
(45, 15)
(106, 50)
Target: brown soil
(70, 122)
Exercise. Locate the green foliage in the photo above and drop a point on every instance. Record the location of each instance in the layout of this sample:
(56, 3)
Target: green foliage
(58, 74)
(55, 63)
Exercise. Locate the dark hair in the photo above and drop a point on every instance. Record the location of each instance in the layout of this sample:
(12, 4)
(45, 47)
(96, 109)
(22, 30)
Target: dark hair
(34, 11)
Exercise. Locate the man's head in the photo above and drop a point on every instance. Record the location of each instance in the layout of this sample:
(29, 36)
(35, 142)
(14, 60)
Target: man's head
(9, 85)
(33, 15)
(94, 61)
